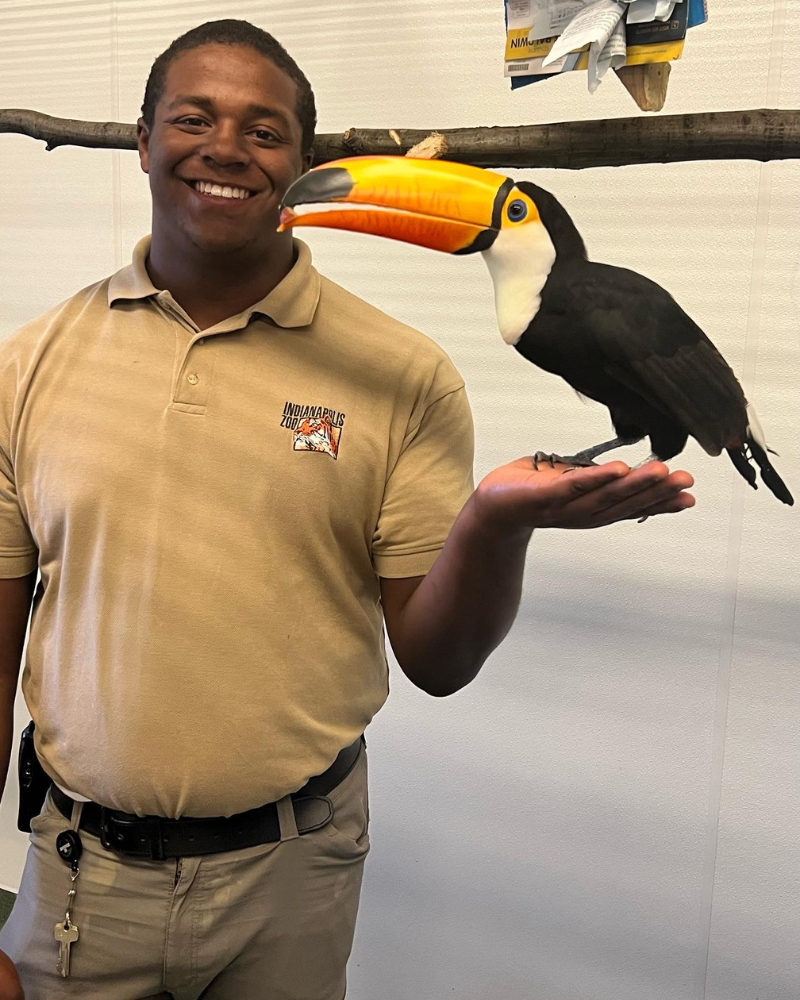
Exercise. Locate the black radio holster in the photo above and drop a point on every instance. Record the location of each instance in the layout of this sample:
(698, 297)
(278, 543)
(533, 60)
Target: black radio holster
(33, 781)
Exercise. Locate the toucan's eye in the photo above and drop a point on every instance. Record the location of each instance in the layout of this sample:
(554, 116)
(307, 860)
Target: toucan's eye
(517, 211)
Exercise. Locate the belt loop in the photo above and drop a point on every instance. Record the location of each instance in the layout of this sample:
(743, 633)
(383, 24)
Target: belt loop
(286, 818)
(75, 821)
(155, 838)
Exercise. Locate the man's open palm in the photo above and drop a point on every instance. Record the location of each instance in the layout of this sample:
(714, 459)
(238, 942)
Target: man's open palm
(519, 494)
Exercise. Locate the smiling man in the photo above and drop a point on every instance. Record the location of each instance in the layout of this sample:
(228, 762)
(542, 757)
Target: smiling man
(228, 472)
(224, 133)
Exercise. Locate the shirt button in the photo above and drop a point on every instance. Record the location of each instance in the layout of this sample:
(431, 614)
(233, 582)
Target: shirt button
(193, 379)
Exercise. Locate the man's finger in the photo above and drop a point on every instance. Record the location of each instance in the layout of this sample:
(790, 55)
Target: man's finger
(606, 508)
(638, 490)
(650, 501)
(683, 501)
(621, 495)
(634, 487)
(582, 481)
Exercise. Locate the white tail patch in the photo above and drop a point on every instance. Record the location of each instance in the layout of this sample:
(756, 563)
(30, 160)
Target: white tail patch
(754, 428)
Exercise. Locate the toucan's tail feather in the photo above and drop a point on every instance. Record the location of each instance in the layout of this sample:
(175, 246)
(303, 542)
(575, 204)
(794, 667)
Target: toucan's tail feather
(769, 474)
(743, 467)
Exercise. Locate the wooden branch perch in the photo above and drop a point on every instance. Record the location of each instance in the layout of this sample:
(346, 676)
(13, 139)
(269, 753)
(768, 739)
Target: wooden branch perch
(715, 135)
(68, 131)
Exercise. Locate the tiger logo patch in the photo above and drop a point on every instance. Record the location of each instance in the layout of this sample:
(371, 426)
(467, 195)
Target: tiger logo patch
(314, 428)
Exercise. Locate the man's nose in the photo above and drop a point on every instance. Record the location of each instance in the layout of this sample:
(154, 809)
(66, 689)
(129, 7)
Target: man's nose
(226, 146)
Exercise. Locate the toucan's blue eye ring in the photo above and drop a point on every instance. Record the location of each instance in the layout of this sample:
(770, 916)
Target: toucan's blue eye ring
(517, 211)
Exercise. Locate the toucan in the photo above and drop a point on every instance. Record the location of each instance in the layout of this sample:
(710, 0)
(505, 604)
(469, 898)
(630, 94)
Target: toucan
(615, 336)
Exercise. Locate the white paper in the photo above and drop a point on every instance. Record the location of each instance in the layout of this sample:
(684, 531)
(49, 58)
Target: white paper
(644, 11)
(518, 13)
(599, 25)
(665, 8)
(641, 11)
(612, 55)
(591, 26)
(543, 18)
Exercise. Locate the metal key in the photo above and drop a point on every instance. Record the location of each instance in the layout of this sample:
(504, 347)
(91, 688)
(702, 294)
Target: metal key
(69, 848)
(66, 935)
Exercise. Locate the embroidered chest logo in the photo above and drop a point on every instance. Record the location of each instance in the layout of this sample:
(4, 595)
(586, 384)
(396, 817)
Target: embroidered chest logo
(315, 428)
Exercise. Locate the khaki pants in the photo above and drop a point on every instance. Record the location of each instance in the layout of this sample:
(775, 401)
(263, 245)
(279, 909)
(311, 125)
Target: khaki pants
(273, 922)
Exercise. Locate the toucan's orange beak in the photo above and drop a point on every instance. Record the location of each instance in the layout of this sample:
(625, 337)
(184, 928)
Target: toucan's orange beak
(433, 203)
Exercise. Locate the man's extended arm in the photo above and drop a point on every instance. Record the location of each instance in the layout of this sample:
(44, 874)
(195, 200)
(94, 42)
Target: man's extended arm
(443, 626)
(15, 608)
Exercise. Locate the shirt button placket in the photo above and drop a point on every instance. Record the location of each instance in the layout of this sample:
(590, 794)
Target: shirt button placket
(195, 380)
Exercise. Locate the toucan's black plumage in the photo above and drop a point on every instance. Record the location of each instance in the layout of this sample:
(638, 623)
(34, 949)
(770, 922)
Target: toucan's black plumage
(612, 334)
(621, 339)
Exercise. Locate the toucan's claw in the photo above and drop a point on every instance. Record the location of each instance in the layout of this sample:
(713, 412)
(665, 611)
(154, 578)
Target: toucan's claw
(574, 461)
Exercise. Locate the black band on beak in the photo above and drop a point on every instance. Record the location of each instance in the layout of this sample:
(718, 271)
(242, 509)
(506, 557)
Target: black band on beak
(481, 242)
(499, 201)
(485, 239)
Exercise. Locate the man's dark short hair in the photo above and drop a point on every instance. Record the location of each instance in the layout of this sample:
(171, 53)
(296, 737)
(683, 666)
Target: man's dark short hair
(233, 32)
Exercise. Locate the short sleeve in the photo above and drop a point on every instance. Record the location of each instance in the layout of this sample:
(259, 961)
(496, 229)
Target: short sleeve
(18, 555)
(430, 483)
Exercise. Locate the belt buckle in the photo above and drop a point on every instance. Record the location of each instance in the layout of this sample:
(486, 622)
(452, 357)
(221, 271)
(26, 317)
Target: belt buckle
(113, 830)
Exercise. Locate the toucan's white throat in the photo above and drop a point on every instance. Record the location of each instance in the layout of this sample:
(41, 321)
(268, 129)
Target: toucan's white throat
(519, 261)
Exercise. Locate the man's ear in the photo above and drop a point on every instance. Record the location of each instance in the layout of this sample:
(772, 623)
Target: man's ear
(143, 143)
(308, 159)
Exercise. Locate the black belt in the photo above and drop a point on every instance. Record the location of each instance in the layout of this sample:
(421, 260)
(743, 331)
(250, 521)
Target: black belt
(158, 838)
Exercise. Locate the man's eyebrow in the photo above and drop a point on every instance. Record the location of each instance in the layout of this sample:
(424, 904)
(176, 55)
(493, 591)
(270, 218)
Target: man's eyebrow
(263, 111)
(251, 111)
(199, 102)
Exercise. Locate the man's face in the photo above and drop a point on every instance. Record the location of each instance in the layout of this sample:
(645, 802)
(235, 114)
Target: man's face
(226, 118)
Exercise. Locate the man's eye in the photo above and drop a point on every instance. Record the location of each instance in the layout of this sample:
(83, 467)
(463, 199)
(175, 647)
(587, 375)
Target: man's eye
(191, 120)
(265, 135)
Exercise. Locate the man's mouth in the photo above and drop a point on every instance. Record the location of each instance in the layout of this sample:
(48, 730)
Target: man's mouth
(213, 190)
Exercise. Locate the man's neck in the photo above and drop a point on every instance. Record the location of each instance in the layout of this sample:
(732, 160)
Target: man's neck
(212, 287)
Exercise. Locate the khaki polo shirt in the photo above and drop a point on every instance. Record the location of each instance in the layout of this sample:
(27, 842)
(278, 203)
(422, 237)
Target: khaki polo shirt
(210, 514)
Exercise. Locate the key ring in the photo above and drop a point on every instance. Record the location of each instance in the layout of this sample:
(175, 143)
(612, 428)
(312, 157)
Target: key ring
(70, 896)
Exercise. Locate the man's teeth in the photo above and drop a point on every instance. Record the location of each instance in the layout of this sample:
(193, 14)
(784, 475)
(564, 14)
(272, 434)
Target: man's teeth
(205, 187)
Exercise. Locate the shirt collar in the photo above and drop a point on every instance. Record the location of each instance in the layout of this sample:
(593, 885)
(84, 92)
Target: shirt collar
(291, 303)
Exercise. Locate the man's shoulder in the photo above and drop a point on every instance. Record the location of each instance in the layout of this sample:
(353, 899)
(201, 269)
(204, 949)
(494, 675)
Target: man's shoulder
(394, 353)
(41, 329)
(369, 324)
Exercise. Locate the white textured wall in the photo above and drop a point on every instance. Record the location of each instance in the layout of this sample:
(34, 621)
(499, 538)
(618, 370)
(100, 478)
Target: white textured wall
(610, 812)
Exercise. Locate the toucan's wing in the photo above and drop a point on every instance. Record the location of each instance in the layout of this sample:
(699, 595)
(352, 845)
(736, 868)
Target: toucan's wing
(646, 341)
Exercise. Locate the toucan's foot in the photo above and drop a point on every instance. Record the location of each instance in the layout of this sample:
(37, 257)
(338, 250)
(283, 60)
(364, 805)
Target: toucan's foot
(573, 461)
(645, 461)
